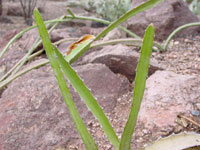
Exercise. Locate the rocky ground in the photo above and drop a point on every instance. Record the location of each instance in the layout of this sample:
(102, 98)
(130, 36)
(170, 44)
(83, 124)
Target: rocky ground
(32, 112)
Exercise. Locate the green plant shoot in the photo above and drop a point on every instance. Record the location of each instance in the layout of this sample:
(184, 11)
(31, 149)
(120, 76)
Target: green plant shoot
(140, 80)
(86, 137)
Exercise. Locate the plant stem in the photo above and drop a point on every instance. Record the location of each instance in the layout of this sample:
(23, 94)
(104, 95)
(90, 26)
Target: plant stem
(29, 68)
(128, 41)
(134, 42)
(33, 56)
(17, 36)
(104, 22)
(35, 45)
(177, 30)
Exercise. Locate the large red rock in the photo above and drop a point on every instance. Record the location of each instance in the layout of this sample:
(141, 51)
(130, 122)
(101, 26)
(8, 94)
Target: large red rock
(166, 17)
(33, 114)
(167, 95)
(21, 46)
(120, 59)
(15, 52)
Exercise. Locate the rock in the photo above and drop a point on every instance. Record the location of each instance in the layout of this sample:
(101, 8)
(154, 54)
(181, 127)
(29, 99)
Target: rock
(14, 9)
(7, 37)
(63, 47)
(166, 17)
(16, 51)
(1, 10)
(59, 34)
(6, 60)
(198, 16)
(74, 23)
(114, 34)
(120, 59)
(6, 20)
(41, 9)
(21, 46)
(167, 95)
(89, 30)
(33, 114)
(97, 25)
(27, 40)
(97, 77)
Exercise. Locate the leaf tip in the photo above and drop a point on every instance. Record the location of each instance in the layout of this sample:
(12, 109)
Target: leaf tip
(151, 26)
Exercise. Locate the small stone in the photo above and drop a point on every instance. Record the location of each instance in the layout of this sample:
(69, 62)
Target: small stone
(145, 131)
(187, 41)
(196, 113)
(198, 106)
(176, 42)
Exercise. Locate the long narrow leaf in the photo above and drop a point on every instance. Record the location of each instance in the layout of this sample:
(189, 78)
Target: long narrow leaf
(88, 99)
(140, 80)
(86, 137)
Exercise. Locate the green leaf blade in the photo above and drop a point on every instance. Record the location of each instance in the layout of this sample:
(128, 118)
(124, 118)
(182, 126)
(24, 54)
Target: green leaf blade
(86, 137)
(88, 99)
(140, 80)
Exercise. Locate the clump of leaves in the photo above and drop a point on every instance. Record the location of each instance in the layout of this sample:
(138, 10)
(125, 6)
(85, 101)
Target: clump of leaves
(61, 68)
(109, 9)
(194, 6)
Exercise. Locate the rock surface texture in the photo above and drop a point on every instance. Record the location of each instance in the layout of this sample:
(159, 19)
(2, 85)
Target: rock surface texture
(14, 10)
(120, 59)
(167, 95)
(166, 17)
(33, 114)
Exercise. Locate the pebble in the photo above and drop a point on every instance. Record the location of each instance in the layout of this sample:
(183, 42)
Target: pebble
(187, 41)
(176, 42)
(145, 131)
(198, 106)
(196, 113)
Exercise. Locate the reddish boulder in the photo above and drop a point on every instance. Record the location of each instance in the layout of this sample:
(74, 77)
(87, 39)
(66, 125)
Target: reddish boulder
(59, 34)
(120, 59)
(167, 95)
(166, 17)
(33, 114)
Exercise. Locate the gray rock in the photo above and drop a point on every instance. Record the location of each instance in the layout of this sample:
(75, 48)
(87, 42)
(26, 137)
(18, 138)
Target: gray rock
(166, 17)
(120, 59)
(33, 114)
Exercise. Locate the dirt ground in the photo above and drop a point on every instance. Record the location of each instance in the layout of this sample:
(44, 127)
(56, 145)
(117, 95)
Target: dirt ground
(182, 56)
